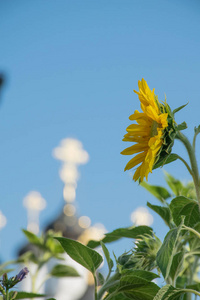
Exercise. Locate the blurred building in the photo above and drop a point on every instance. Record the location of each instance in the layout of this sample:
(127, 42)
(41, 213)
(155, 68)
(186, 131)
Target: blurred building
(72, 154)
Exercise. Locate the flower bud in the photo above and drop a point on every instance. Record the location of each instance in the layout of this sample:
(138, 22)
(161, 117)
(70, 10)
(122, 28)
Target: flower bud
(21, 275)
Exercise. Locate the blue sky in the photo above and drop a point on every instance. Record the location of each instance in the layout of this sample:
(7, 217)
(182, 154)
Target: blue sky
(71, 67)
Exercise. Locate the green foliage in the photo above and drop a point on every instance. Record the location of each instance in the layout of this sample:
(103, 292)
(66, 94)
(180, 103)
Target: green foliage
(107, 256)
(33, 239)
(5, 271)
(180, 189)
(43, 248)
(167, 159)
(184, 207)
(131, 232)
(176, 258)
(177, 265)
(101, 279)
(159, 192)
(85, 256)
(163, 212)
(168, 292)
(168, 250)
(143, 256)
(134, 284)
(26, 295)
(63, 271)
(45, 243)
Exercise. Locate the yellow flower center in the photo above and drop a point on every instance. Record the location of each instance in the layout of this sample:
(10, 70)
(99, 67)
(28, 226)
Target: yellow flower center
(154, 130)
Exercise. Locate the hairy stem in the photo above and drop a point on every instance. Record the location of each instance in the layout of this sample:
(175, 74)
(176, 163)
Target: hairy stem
(110, 282)
(193, 162)
(192, 230)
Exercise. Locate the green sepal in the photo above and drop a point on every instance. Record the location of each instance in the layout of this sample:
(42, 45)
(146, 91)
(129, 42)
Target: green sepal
(181, 126)
(167, 159)
(179, 108)
(169, 135)
(197, 130)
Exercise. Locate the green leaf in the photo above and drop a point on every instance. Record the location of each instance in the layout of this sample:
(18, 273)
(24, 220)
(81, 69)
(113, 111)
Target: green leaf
(85, 256)
(119, 296)
(158, 191)
(52, 245)
(63, 271)
(140, 291)
(51, 299)
(5, 271)
(32, 238)
(175, 185)
(27, 257)
(181, 126)
(144, 275)
(168, 292)
(182, 206)
(194, 241)
(131, 232)
(195, 287)
(107, 256)
(177, 265)
(135, 284)
(179, 108)
(163, 212)
(26, 295)
(170, 158)
(197, 129)
(167, 251)
(101, 278)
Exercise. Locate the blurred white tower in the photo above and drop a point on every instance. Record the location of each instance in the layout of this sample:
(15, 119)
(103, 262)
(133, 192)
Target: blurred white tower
(34, 203)
(3, 220)
(71, 153)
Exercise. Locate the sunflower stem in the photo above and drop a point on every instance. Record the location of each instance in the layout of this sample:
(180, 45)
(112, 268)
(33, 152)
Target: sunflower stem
(186, 164)
(194, 167)
(109, 283)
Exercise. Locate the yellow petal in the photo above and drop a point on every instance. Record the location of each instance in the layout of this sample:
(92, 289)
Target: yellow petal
(135, 161)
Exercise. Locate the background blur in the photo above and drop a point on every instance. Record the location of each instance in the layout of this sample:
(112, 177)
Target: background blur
(69, 69)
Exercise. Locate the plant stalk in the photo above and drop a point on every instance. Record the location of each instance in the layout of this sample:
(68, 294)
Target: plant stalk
(194, 167)
(110, 282)
(7, 295)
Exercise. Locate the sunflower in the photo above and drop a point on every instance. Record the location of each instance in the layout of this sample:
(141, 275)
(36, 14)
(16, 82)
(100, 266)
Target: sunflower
(147, 134)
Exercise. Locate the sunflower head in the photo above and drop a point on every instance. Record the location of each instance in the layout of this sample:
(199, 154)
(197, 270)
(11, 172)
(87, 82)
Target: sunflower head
(153, 133)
